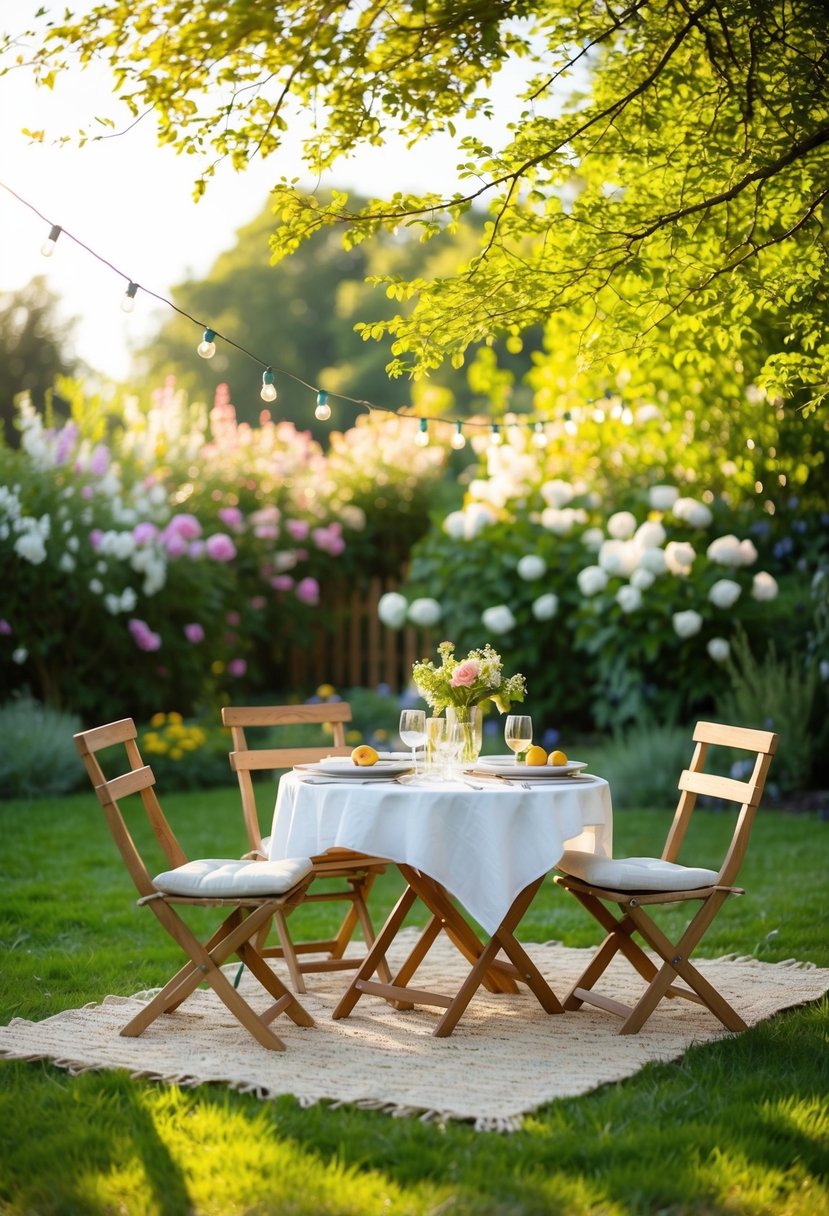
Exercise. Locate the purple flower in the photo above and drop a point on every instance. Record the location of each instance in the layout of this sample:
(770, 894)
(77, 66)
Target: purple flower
(87, 492)
(175, 545)
(232, 518)
(194, 633)
(144, 532)
(99, 461)
(297, 529)
(220, 548)
(183, 525)
(67, 438)
(308, 591)
(5, 627)
(233, 617)
(95, 538)
(143, 636)
(237, 667)
(282, 582)
(195, 549)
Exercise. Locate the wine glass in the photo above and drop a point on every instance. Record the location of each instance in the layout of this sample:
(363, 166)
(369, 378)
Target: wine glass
(412, 731)
(448, 740)
(518, 733)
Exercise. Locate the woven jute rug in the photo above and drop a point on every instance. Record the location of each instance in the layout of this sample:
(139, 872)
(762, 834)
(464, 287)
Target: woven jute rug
(506, 1057)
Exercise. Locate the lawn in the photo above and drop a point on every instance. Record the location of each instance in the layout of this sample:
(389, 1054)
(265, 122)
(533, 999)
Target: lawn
(739, 1126)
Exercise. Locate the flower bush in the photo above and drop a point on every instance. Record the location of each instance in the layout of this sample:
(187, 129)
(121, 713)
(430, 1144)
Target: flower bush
(158, 558)
(623, 607)
(167, 555)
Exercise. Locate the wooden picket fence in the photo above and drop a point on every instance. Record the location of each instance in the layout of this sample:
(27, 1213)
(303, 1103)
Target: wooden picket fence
(358, 651)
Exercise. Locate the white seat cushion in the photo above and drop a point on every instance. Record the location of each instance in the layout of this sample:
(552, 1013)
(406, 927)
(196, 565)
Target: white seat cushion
(223, 878)
(634, 873)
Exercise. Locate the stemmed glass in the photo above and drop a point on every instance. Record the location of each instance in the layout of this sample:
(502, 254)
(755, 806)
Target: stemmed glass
(448, 740)
(412, 731)
(518, 733)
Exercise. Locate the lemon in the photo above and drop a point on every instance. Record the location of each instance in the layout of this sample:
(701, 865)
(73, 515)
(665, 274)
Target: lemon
(364, 755)
(558, 758)
(536, 755)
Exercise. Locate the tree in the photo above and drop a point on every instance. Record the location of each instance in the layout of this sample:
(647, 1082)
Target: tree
(33, 346)
(679, 197)
(301, 316)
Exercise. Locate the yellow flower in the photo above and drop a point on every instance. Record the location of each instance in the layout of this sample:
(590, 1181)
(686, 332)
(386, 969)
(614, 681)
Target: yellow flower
(326, 690)
(176, 753)
(175, 718)
(158, 719)
(217, 667)
(353, 736)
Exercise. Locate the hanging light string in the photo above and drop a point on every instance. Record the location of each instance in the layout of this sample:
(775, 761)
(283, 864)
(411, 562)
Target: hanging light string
(207, 348)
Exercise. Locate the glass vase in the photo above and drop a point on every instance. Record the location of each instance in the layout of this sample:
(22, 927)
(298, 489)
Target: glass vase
(471, 720)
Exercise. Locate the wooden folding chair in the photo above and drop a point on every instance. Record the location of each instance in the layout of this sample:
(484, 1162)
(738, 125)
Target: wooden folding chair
(635, 883)
(358, 871)
(253, 892)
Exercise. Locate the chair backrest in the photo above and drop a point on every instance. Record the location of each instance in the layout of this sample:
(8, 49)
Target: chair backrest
(761, 746)
(133, 777)
(245, 760)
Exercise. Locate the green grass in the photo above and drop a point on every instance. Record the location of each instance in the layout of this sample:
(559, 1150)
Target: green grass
(739, 1126)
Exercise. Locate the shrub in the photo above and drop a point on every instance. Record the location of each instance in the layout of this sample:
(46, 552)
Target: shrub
(643, 764)
(37, 754)
(778, 694)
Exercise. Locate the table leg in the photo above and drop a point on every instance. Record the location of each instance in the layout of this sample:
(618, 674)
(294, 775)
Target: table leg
(525, 968)
(376, 955)
(459, 932)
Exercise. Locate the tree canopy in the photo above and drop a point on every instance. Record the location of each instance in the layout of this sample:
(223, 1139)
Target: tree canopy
(664, 185)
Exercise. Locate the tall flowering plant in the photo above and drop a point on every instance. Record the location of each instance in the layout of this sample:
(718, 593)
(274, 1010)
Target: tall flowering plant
(464, 682)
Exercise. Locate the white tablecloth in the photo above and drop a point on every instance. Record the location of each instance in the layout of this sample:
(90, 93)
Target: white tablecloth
(484, 846)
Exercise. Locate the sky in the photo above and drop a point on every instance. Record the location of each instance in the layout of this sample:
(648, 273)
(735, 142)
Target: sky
(131, 202)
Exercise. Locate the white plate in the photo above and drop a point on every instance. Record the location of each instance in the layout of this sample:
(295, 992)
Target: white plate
(344, 766)
(506, 767)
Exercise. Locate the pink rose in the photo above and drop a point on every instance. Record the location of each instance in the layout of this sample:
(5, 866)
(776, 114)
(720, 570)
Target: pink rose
(144, 637)
(297, 529)
(232, 518)
(220, 548)
(308, 591)
(465, 674)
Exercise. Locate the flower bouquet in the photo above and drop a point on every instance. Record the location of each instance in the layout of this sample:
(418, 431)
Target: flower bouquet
(462, 684)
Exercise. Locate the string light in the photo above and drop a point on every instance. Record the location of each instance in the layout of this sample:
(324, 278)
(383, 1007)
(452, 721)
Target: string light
(207, 347)
(601, 408)
(128, 302)
(48, 246)
(268, 390)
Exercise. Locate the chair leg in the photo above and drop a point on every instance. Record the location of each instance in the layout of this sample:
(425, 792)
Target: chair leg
(677, 963)
(619, 930)
(234, 933)
(288, 951)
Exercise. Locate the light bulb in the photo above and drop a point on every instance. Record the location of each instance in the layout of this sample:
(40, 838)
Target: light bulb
(207, 347)
(48, 246)
(267, 391)
(540, 435)
(323, 410)
(128, 302)
(458, 439)
(422, 436)
(496, 438)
